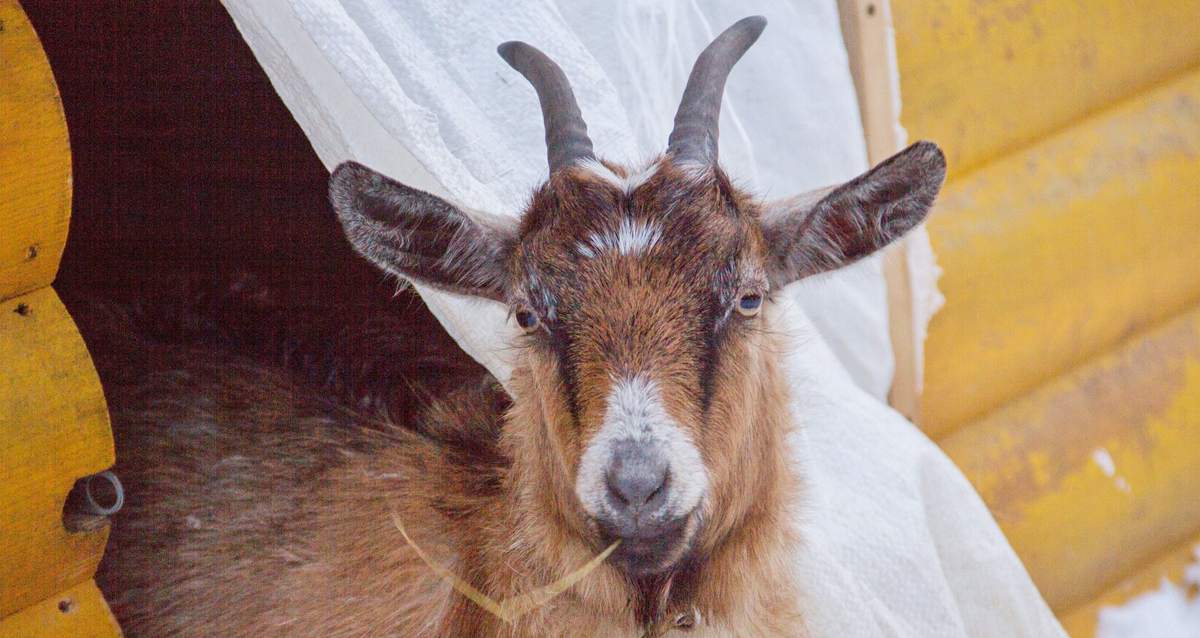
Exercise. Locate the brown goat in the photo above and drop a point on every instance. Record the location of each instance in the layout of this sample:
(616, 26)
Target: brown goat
(648, 407)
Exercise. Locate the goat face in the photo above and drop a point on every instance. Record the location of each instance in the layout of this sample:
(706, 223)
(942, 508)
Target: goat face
(639, 292)
(630, 288)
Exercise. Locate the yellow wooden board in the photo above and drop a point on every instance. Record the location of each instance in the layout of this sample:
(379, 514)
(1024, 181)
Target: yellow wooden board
(1095, 475)
(35, 160)
(54, 429)
(53, 419)
(985, 78)
(1081, 622)
(1059, 252)
(79, 612)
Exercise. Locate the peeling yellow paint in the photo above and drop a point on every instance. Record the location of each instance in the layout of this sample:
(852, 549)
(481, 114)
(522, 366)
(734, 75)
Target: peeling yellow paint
(1069, 228)
(1057, 253)
(1039, 464)
(1078, 529)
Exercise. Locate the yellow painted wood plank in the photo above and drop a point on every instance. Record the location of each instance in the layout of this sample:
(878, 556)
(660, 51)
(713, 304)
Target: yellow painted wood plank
(35, 160)
(1057, 253)
(1081, 622)
(79, 612)
(54, 429)
(1094, 475)
(983, 78)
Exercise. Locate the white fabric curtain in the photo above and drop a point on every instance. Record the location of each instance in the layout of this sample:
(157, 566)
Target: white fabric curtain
(898, 543)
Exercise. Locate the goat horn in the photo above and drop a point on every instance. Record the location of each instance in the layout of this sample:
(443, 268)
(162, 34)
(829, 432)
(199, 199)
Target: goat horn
(567, 140)
(694, 139)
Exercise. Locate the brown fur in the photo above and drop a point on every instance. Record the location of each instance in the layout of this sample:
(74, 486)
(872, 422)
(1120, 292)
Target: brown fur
(258, 505)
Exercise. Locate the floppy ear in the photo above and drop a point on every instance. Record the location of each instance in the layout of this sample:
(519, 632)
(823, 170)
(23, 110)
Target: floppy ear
(419, 236)
(836, 226)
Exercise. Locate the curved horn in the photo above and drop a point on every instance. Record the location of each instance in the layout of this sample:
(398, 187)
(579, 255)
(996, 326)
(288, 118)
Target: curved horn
(566, 135)
(694, 139)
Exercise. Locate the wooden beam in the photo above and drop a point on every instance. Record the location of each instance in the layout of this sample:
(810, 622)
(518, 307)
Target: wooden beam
(1093, 476)
(79, 612)
(986, 79)
(54, 429)
(35, 160)
(865, 25)
(1059, 252)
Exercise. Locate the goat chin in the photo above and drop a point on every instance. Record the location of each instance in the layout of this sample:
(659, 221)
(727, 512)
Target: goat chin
(260, 506)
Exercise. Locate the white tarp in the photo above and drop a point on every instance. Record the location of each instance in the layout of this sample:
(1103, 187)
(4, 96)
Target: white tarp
(898, 543)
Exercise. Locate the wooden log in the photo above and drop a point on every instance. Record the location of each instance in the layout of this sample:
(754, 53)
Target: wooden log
(53, 421)
(54, 429)
(35, 160)
(1060, 252)
(79, 612)
(1093, 476)
(1081, 622)
(986, 78)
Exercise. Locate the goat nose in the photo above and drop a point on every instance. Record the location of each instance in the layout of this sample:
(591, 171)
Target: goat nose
(636, 476)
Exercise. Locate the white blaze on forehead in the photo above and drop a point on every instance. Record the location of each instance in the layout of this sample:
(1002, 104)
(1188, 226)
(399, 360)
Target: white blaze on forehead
(635, 412)
(632, 237)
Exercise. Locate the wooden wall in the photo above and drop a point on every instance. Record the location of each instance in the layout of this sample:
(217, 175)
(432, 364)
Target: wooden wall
(53, 423)
(1063, 374)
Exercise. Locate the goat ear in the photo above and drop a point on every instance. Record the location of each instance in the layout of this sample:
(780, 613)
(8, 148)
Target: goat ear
(836, 226)
(418, 236)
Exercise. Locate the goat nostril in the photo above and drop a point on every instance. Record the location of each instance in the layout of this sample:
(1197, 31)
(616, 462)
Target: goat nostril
(636, 482)
(659, 490)
(615, 491)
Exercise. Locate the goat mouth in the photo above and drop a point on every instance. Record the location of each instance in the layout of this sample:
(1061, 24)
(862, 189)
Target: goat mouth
(650, 550)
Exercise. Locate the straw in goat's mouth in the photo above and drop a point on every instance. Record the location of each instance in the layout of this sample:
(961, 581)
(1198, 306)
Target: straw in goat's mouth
(510, 609)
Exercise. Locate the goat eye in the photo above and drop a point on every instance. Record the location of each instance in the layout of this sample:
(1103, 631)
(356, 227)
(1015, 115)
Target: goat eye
(527, 320)
(750, 304)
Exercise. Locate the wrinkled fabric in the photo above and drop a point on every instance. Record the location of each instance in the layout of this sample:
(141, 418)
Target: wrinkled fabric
(898, 543)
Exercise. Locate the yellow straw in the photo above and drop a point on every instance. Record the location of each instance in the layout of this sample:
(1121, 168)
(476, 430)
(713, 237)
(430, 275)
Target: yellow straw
(513, 608)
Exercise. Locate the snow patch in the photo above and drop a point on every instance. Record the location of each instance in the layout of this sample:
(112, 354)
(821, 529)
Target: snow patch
(1105, 460)
(1170, 611)
(1191, 575)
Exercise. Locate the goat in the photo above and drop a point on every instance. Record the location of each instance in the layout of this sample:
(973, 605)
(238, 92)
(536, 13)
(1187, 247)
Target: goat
(648, 407)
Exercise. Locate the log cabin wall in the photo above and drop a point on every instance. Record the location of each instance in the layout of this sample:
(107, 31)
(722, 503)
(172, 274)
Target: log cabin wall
(54, 426)
(1063, 373)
